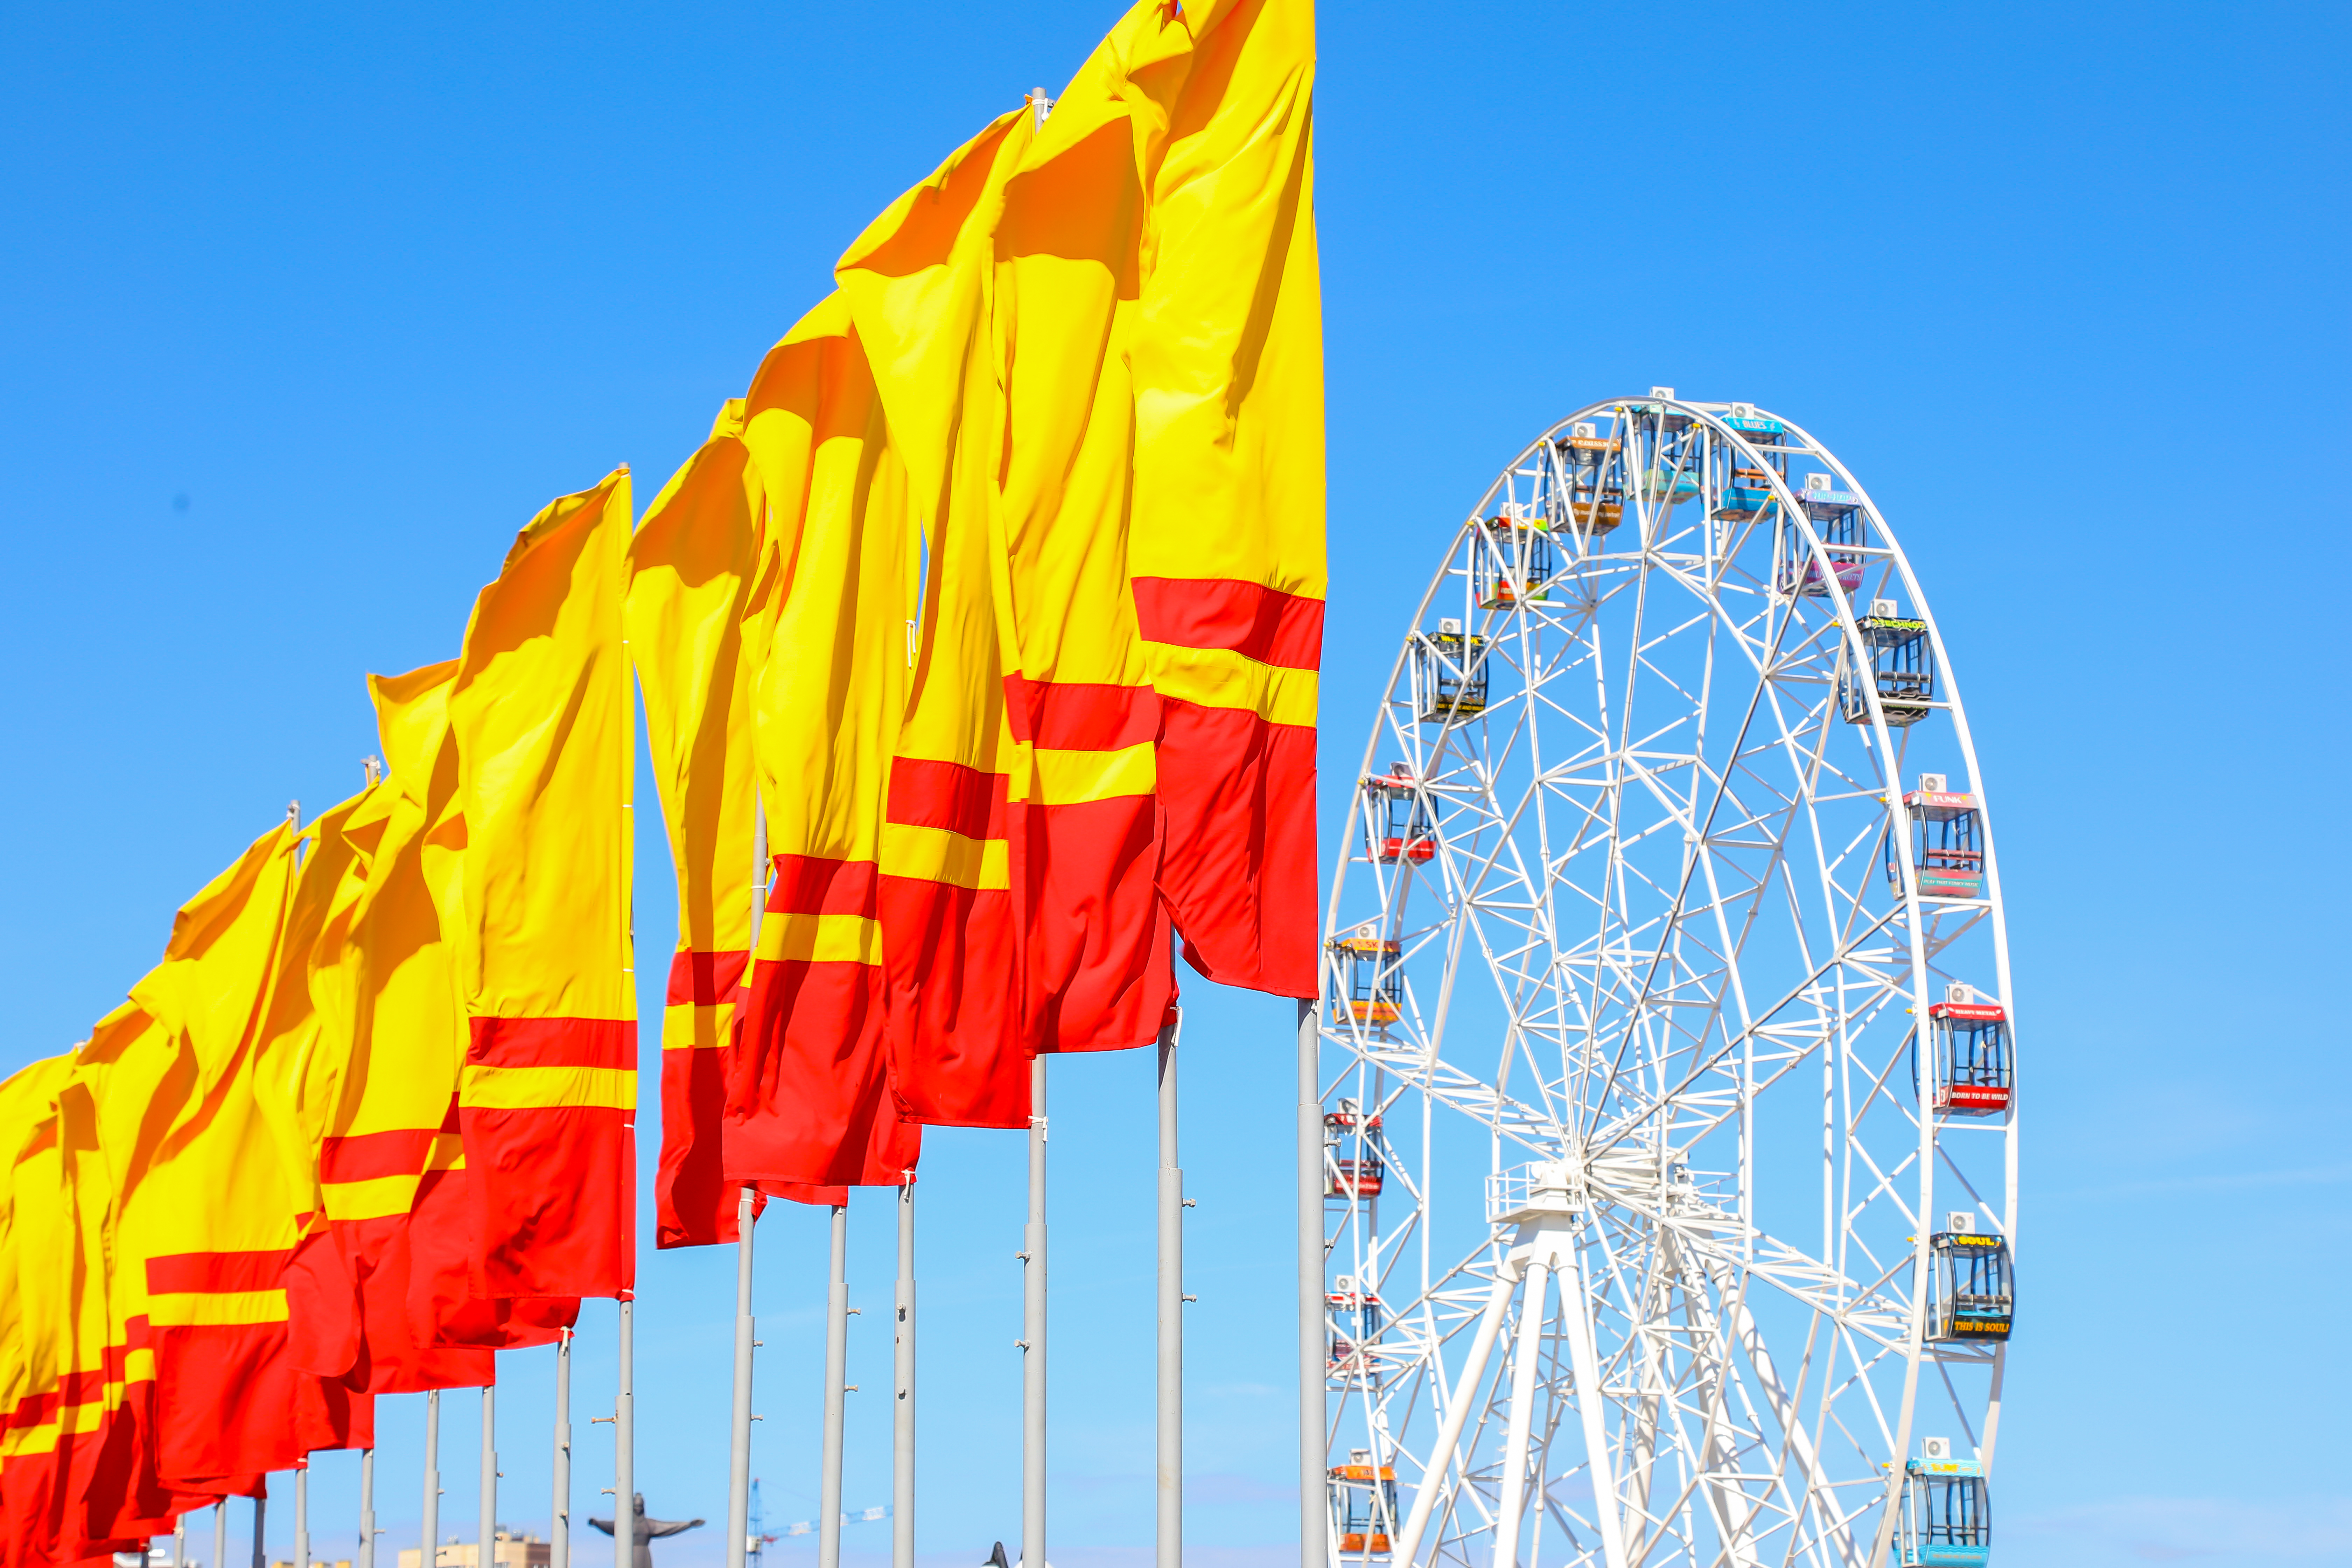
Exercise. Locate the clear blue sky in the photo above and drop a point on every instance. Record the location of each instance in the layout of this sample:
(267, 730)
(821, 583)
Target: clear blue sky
(304, 309)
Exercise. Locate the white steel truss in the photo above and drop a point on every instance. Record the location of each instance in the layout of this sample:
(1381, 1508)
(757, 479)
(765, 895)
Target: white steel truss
(1632, 1165)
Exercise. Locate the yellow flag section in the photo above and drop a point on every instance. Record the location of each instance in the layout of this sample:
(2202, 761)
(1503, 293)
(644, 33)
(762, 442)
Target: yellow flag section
(214, 1217)
(808, 1102)
(691, 564)
(1225, 549)
(920, 284)
(542, 717)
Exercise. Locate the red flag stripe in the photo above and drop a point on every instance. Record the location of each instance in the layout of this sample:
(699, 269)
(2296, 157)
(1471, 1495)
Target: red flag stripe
(929, 794)
(554, 1043)
(365, 1156)
(705, 979)
(202, 1272)
(1261, 623)
(1080, 716)
(813, 885)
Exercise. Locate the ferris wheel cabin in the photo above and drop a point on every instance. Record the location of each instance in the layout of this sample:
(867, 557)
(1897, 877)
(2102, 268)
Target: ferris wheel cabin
(1396, 818)
(1372, 980)
(1943, 1516)
(1748, 494)
(1358, 1174)
(1968, 1040)
(1947, 841)
(1837, 518)
(1969, 1295)
(1355, 1323)
(1450, 673)
(1592, 477)
(1901, 668)
(1516, 561)
(1363, 1504)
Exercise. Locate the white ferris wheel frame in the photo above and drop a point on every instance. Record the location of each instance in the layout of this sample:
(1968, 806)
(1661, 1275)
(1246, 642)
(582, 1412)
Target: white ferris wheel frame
(1595, 1182)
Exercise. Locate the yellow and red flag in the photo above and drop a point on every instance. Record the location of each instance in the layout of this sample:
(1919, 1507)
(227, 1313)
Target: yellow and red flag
(1081, 809)
(392, 1166)
(809, 1101)
(130, 1080)
(692, 566)
(215, 1216)
(541, 715)
(1225, 555)
(919, 284)
(54, 1443)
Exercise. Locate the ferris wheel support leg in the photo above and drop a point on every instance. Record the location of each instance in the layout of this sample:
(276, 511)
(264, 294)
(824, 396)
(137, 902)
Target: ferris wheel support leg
(1576, 1308)
(1457, 1415)
(1314, 1482)
(1513, 1481)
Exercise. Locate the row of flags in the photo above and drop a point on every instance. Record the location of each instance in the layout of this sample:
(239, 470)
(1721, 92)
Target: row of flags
(978, 649)
(369, 1120)
(996, 603)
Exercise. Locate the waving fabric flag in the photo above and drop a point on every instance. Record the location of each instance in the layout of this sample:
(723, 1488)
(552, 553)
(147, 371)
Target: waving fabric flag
(691, 567)
(1226, 542)
(214, 1219)
(133, 1076)
(810, 1101)
(541, 718)
(392, 995)
(1081, 810)
(374, 1101)
(917, 283)
(56, 1429)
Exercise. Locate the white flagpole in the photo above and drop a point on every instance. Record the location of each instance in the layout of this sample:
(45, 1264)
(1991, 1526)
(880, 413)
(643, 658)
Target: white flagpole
(739, 1476)
(367, 1510)
(836, 1369)
(624, 1459)
(489, 1522)
(1171, 1512)
(902, 1457)
(739, 1453)
(301, 1517)
(559, 1529)
(431, 1555)
(1033, 1326)
(1314, 1506)
(220, 1533)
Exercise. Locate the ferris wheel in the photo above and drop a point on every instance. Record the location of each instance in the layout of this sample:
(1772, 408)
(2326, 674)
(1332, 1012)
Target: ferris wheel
(1671, 1147)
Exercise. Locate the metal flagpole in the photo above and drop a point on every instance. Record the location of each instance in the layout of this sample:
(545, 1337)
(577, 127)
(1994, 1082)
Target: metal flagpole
(902, 1419)
(367, 1508)
(836, 1369)
(1313, 1508)
(490, 1499)
(739, 1476)
(624, 1459)
(738, 1471)
(220, 1534)
(260, 1520)
(559, 1529)
(1171, 1316)
(432, 1555)
(302, 1515)
(1032, 1330)
(180, 1541)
